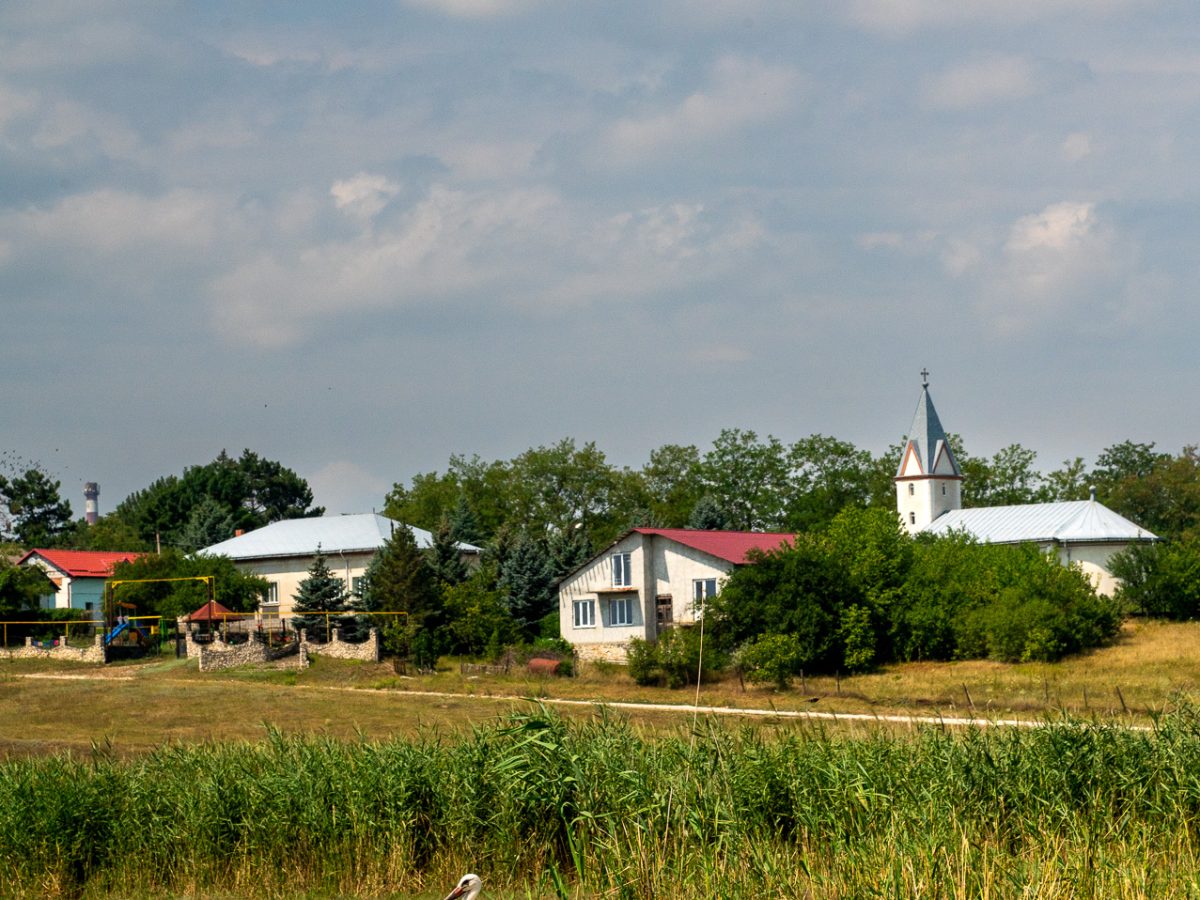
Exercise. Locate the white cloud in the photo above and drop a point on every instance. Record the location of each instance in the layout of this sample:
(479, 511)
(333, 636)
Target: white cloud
(1076, 146)
(741, 93)
(364, 195)
(1057, 228)
(450, 242)
(901, 17)
(475, 9)
(998, 79)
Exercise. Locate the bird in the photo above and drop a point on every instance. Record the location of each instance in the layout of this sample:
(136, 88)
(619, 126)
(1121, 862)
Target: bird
(468, 886)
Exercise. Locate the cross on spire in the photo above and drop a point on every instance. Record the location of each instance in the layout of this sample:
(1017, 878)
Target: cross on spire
(924, 378)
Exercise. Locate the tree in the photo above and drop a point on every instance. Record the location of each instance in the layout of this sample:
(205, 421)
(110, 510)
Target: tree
(234, 589)
(748, 478)
(673, 483)
(827, 476)
(320, 592)
(464, 527)
(1068, 483)
(527, 583)
(254, 491)
(22, 587)
(39, 515)
(401, 580)
(708, 515)
(1160, 579)
(210, 523)
(107, 533)
(445, 558)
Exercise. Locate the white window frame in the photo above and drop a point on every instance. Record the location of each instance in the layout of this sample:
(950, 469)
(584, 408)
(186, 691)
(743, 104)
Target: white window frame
(271, 598)
(624, 605)
(622, 569)
(584, 612)
(700, 591)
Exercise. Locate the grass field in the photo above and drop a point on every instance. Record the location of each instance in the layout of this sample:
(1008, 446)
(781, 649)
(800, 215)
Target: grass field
(118, 781)
(133, 707)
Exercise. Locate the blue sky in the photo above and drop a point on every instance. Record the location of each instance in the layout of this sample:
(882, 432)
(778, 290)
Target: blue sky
(358, 238)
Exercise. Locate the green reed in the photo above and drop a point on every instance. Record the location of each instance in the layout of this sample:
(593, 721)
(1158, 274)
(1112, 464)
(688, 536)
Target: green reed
(543, 806)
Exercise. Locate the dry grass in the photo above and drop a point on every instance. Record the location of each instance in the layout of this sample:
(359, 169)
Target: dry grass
(45, 707)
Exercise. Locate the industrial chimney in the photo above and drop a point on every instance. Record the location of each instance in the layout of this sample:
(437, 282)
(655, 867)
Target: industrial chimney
(91, 493)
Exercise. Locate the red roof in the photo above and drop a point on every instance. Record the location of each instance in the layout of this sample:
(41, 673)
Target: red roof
(728, 545)
(82, 563)
(210, 611)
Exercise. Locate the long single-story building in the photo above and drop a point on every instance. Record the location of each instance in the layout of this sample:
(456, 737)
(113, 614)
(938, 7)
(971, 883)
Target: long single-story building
(648, 580)
(283, 551)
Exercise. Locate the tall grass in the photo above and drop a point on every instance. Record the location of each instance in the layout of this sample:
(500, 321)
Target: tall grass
(542, 806)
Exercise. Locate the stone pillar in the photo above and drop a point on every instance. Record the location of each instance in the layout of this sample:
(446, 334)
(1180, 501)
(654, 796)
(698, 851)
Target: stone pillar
(28, 641)
(335, 636)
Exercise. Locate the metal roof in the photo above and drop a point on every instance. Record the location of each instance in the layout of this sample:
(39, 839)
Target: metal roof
(1067, 521)
(728, 545)
(360, 533)
(928, 437)
(82, 563)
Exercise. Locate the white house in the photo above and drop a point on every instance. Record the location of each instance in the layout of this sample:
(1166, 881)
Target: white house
(649, 579)
(78, 575)
(929, 500)
(283, 551)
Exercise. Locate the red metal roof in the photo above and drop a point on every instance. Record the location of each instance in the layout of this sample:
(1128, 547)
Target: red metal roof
(210, 611)
(728, 545)
(82, 563)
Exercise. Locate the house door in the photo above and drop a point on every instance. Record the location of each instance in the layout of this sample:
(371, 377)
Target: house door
(663, 616)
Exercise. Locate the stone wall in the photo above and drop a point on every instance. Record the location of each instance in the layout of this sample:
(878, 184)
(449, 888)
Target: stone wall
(368, 650)
(94, 652)
(608, 652)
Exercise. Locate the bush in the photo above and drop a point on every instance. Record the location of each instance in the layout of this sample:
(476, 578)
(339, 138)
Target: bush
(675, 660)
(771, 658)
(641, 659)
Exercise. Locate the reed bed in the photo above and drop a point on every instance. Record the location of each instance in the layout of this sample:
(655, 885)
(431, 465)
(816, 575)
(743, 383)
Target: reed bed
(541, 806)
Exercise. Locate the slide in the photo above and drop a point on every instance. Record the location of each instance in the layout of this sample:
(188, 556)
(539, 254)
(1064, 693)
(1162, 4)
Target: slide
(122, 628)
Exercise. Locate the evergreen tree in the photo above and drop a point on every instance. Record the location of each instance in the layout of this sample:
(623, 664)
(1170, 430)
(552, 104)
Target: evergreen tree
(320, 592)
(464, 526)
(209, 523)
(39, 516)
(527, 581)
(568, 550)
(709, 515)
(445, 558)
(401, 580)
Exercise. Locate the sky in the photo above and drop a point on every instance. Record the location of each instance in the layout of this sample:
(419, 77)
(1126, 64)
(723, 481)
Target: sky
(360, 238)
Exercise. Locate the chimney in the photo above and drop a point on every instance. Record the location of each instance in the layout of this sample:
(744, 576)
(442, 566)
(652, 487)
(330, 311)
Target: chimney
(238, 532)
(91, 506)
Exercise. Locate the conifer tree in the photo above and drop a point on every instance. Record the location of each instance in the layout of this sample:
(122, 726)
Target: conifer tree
(464, 526)
(445, 558)
(320, 592)
(527, 581)
(401, 580)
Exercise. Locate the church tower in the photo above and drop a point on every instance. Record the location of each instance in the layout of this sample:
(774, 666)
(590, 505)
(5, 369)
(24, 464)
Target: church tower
(928, 481)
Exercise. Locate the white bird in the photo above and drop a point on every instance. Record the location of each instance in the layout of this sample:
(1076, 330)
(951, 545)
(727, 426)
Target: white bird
(468, 886)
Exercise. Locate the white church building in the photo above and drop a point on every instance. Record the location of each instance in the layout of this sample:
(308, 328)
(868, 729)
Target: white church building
(929, 500)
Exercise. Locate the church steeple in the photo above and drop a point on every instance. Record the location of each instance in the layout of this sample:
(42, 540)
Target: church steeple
(928, 479)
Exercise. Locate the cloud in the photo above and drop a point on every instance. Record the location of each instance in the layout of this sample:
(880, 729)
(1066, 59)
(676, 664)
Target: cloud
(363, 195)
(1076, 146)
(999, 79)
(902, 17)
(741, 93)
(474, 9)
(449, 242)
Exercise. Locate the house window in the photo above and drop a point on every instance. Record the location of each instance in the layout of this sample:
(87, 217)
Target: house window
(702, 589)
(356, 585)
(585, 613)
(912, 518)
(620, 611)
(272, 593)
(943, 490)
(622, 569)
(911, 490)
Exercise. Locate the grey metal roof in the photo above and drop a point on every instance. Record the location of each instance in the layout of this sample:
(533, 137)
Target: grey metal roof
(928, 436)
(359, 533)
(1067, 521)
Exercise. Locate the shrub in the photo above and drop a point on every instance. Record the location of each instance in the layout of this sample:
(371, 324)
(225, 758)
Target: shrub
(641, 658)
(771, 658)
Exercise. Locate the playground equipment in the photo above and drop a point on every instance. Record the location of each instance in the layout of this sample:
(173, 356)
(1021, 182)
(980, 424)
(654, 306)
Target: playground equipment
(125, 625)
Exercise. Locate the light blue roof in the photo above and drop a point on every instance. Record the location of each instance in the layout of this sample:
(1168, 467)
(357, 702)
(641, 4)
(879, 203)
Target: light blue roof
(928, 436)
(1064, 522)
(361, 533)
